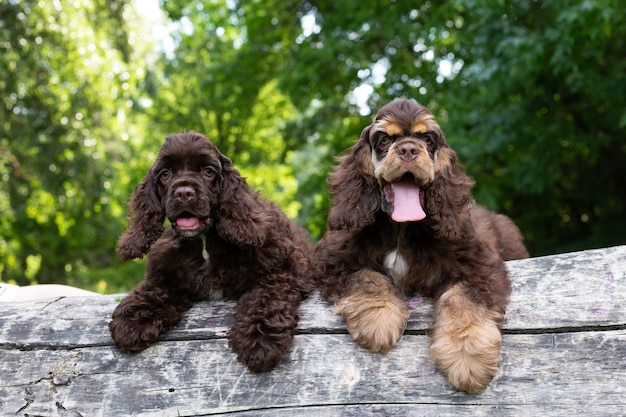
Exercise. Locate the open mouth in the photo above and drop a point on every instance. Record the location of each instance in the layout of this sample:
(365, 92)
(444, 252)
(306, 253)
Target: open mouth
(406, 198)
(189, 225)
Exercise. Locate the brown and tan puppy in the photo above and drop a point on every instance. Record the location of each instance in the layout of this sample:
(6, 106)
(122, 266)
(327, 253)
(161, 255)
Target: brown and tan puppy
(403, 221)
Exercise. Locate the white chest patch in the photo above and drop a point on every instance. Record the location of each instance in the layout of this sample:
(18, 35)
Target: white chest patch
(396, 265)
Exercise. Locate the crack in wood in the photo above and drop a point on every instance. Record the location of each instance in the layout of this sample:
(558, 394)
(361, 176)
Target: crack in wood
(29, 398)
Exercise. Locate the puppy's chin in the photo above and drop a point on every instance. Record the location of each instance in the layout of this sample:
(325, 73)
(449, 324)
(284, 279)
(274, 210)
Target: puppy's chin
(191, 227)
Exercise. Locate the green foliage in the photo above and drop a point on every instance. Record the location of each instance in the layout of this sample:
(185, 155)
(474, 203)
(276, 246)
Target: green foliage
(68, 89)
(540, 117)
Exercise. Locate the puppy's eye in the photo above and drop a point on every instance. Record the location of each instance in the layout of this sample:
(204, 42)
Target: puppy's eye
(209, 171)
(164, 175)
(429, 138)
(383, 141)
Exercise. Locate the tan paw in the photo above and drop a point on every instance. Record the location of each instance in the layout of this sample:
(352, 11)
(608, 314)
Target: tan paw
(465, 341)
(376, 322)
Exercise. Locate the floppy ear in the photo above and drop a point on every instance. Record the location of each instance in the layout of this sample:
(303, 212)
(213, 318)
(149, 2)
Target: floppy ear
(448, 196)
(145, 221)
(240, 218)
(355, 191)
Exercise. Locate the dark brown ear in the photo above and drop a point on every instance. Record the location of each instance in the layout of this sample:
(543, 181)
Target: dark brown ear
(354, 189)
(448, 196)
(145, 220)
(240, 218)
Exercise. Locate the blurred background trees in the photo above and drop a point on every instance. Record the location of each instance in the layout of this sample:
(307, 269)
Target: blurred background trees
(70, 74)
(531, 94)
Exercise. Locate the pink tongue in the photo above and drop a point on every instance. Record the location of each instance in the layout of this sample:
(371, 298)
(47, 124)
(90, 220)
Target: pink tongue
(187, 223)
(406, 203)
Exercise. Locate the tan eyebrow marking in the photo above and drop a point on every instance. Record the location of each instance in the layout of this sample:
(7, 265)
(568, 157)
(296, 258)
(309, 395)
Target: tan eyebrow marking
(391, 128)
(419, 127)
(425, 124)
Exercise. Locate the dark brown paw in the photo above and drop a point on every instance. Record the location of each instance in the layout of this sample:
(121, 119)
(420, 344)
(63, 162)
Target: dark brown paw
(131, 335)
(260, 350)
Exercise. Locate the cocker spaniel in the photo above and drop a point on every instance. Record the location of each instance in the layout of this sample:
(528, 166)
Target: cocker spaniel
(403, 221)
(222, 240)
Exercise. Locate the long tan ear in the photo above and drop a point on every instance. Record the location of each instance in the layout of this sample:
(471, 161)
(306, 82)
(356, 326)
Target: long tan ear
(354, 189)
(240, 218)
(448, 196)
(145, 221)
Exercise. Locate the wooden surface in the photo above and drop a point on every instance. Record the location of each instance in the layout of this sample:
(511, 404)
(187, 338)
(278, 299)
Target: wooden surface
(563, 354)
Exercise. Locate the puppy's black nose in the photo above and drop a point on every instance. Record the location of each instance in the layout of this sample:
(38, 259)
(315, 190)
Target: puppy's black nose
(407, 151)
(185, 193)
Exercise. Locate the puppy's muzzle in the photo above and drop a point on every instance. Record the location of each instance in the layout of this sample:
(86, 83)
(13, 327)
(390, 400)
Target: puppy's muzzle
(185, 194)
(408, 151)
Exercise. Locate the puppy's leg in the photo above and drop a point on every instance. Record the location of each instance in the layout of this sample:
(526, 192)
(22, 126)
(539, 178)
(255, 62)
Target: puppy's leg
(264, 326)
(375, 313)
(465, 340)
(143, 315)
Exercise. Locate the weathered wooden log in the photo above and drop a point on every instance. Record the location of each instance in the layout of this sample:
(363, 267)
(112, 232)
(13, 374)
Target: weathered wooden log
(563, 353)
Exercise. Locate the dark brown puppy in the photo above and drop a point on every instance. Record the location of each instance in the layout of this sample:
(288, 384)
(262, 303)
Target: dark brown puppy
(403, 221)
(223, 240)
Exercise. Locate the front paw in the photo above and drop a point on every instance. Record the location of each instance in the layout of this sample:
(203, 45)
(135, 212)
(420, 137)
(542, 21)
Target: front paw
(375, 314)
(466, 341)
(376, 322)
(131, 334)
(259, 348)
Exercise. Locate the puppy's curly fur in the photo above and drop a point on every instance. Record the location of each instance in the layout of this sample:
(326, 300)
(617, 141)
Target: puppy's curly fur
(223, 239)
(403, 221)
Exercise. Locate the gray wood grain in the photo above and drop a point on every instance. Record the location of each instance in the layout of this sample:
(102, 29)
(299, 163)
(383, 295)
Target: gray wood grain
(563, 353)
